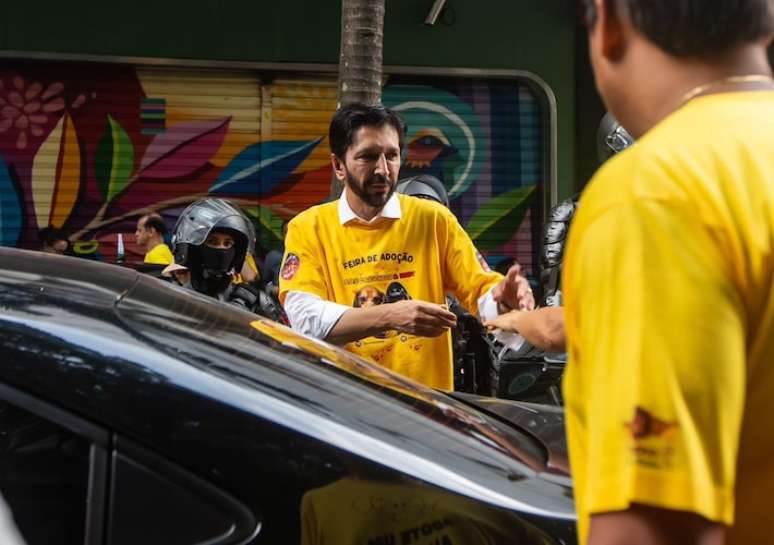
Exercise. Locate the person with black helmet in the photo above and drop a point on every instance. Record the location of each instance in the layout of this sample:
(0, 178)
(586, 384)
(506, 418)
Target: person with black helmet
(424, 186)
(211, 240)
(371, 270)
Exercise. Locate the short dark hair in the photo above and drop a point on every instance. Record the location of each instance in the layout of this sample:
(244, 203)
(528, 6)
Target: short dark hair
(156, 222)
(350, 117)
(687, 28)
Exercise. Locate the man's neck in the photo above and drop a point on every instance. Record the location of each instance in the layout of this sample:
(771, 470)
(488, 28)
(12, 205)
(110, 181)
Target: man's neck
(654, 98)
(363, 210)
(153, 242)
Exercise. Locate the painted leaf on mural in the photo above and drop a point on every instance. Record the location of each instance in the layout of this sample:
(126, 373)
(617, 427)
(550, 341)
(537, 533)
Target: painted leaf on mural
(10, 208)
(494, 223)
(268, 224)
(183, 149)
(56, 175)
(257, 169)
(114, 160)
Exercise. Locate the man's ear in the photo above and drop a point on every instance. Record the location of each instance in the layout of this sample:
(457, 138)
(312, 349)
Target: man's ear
(611, 28)
(338, 168)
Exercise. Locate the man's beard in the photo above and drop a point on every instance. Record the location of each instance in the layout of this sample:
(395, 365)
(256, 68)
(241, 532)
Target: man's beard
(375, 200)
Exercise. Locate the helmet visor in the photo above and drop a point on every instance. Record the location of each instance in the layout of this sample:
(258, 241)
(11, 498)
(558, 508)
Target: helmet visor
(196, 222)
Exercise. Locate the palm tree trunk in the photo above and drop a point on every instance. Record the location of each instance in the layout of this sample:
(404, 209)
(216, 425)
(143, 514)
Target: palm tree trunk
(360, 58)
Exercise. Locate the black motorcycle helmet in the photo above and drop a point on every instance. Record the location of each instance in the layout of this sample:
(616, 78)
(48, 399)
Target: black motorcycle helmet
(612, 138)
(424, 186)
(210, 274)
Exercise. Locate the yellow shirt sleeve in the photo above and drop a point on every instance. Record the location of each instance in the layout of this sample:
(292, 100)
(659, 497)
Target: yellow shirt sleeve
(250, 260)
(464, 275)
(655, 386)
(302, 267)
(159, 255)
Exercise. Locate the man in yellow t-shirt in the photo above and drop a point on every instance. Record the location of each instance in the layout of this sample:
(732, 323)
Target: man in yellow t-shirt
(372, 269)
(150, 234)
(669, 278)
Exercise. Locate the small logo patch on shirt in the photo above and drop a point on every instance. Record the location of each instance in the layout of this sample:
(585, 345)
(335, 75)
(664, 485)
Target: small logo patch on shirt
(290, 267)
(644, 425)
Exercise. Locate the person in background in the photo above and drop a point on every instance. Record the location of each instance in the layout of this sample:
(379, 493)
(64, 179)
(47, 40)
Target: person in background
(249, 272)
(150, 234)
(273, 263)
(668, 281)
(211, 239)
(53, 241)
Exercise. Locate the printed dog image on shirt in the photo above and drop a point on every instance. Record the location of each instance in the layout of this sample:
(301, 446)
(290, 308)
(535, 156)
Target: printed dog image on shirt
(369, 296)
(397, 292)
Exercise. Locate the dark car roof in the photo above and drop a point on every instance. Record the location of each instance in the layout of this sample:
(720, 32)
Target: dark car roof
(151, 360)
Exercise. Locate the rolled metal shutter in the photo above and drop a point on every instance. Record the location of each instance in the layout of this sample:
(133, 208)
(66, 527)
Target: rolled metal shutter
(486, 139)
(90, 148)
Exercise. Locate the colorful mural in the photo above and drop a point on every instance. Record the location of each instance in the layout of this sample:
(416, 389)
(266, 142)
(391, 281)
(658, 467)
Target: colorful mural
(90, 148)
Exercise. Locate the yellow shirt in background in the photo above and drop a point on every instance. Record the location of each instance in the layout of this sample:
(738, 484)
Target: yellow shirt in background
(159, 255)
(355, 511)
(423, 255)
(670, 320)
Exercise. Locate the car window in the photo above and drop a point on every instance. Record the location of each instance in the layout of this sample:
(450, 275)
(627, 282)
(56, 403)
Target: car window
(44, 477)
(166, 505)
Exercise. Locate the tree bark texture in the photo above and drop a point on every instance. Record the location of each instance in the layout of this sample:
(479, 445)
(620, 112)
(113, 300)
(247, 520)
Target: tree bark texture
(360, 60)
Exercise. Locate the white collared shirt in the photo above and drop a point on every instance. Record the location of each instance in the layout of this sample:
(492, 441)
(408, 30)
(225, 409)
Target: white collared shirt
(312, 315)
(390, 210)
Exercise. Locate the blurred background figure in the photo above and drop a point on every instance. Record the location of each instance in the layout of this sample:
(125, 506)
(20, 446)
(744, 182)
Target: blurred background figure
(250, 271)
(150, 233)
(273, 263)
(53, 240)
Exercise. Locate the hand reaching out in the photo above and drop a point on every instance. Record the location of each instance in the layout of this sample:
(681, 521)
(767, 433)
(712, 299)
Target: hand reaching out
(514, 292)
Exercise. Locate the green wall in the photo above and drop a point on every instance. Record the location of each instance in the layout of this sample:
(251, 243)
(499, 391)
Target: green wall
(498, 34)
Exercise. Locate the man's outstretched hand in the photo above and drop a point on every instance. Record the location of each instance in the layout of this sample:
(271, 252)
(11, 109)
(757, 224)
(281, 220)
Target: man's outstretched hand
(420, 318)
(513, 292)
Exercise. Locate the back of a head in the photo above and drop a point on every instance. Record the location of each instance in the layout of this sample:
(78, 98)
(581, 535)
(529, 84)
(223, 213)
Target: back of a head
(350, 117)
(156, 222)
(696, 29)
(50, 235)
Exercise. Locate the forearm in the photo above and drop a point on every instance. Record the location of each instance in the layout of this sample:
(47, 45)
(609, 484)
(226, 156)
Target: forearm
(359, 323)
(643, 525)
(543, 327)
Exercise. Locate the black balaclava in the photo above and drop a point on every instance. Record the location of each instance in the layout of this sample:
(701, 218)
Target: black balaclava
(212, 276)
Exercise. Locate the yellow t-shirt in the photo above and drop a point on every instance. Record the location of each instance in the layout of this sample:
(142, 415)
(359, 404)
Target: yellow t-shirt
(250, 262)
(669, 294)
(355, 511)
(159, 255)
(423, 255)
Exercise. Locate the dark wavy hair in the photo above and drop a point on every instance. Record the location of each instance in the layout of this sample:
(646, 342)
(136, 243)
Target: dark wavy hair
(350, 117)
(696, 28)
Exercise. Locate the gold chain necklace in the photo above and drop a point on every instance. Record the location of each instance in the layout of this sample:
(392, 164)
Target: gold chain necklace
(701, 89)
